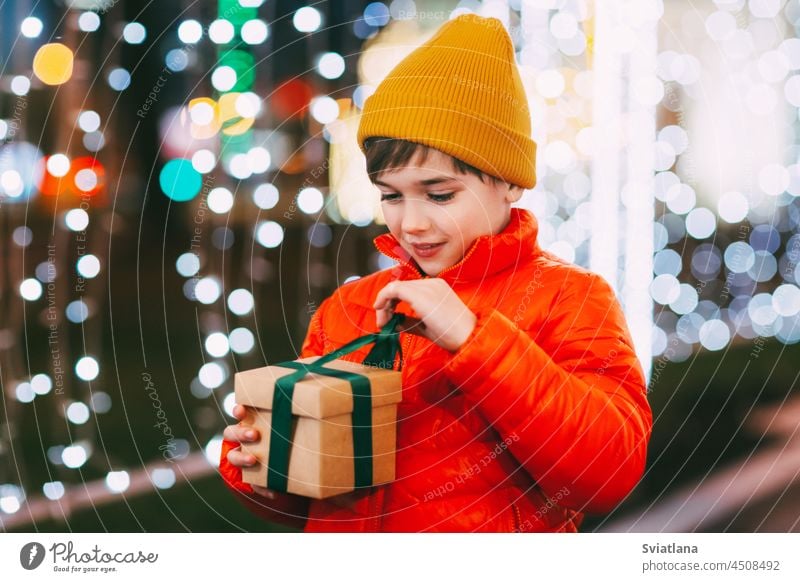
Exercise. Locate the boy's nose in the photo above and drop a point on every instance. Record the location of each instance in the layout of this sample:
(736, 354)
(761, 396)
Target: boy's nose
(415, 217)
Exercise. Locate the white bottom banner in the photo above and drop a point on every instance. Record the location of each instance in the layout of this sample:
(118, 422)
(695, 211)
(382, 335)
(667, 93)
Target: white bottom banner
(390, 557)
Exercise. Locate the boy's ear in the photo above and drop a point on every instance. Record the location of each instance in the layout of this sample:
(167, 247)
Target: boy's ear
(514, 193)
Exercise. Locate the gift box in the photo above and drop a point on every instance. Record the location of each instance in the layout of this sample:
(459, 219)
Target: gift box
(327, 425)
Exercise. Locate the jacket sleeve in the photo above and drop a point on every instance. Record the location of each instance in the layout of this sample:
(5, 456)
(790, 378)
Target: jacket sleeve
(287, 509)
(576, 415)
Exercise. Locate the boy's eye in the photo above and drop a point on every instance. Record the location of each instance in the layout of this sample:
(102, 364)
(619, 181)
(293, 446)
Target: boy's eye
(441, 197)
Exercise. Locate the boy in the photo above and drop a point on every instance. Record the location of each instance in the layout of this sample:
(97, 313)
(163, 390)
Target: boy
(523, 402)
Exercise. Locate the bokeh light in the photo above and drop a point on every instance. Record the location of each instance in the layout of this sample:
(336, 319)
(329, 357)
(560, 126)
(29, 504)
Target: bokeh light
(134, 33)
(240, 301)
(78, 413)
(254, 31)
(324, 109)
(74, 456)
(20, 85)
(269, 234)
(217, 344)
(221, 31)
(266, 196)
(179, 180)
(31, 27)
(118, 481)
(307, 19)
(331, 65)
(30, 289)
(241, 340)
(188, 264)
(163, 478)
(223, 78)
(211, 375)
(53, 63)
(190, 31)
(88, 21)
(53, 490)
(207, 290)
(119, 79)
(41, 384)
(87, 368)
(310, 200)
(220, 200)
(89, 121)
(77, 311)
(88, 266)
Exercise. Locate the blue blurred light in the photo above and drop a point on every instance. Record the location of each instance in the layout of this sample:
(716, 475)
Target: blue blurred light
(377, 14)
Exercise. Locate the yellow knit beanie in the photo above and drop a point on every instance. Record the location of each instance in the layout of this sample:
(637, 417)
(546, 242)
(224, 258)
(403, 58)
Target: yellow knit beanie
(460, 93)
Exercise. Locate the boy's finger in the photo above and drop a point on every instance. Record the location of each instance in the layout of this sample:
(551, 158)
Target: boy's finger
(389, 294)
(263, 491)
(239, 412)
(385, 303)
(239, 459)
(240, 434)
(385, 313)
(381, 317)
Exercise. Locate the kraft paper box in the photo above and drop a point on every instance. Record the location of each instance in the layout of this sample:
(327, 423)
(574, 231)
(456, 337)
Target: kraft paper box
(321, 459)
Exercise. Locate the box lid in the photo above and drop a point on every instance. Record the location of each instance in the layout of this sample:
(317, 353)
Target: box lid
(316, 395)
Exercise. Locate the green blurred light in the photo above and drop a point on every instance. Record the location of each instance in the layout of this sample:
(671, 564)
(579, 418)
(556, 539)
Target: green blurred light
(234, 12)
(244, 65)
(179, 180)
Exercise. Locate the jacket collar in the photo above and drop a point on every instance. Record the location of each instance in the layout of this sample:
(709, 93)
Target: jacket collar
(488, 254)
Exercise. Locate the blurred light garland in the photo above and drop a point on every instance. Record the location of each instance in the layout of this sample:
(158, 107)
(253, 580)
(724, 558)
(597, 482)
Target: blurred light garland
(718, 243)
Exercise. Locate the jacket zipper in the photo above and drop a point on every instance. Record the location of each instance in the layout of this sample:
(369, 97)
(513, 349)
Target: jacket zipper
(404, 351)
(463, 260)
(402, 358)
(376, 511)
(517, 518)
(376, 515)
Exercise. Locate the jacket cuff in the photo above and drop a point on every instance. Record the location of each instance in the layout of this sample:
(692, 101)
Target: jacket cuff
(286, 509)
(231, 474)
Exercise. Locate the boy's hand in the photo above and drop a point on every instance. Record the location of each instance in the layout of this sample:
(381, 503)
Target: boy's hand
(241, 433)
(445, 319)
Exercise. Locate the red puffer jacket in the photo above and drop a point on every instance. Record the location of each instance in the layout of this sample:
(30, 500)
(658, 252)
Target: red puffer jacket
(539, 417)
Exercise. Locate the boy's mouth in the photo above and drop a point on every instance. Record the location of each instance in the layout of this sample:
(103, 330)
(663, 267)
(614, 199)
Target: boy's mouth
(427, 249)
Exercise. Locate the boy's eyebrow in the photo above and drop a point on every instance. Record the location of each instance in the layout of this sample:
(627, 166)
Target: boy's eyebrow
(428, 182)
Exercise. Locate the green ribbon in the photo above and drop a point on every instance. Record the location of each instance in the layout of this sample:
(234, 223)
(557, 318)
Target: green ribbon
(387, 345)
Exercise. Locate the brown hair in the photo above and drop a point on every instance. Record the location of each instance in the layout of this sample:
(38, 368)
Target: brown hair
(386, 153)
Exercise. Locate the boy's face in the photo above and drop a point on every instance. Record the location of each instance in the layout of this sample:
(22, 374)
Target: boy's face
(430, 203)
